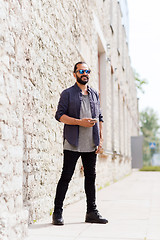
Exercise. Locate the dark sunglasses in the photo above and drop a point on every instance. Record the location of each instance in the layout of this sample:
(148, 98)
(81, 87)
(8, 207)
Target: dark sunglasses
(81, 71)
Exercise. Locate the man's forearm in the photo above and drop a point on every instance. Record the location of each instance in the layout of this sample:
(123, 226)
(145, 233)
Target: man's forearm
(101, 131)
(69, 120)
(84, 122)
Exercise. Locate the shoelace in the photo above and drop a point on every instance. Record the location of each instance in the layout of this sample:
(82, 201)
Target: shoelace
(98, 214)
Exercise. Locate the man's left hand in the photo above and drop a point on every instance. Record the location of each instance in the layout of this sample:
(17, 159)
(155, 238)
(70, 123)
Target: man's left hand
(99, 149)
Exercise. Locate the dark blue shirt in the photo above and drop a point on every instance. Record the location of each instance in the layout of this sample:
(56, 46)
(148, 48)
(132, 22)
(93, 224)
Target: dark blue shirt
(70, 104)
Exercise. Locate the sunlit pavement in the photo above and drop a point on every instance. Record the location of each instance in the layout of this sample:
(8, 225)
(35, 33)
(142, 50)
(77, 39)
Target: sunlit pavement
(131, 205)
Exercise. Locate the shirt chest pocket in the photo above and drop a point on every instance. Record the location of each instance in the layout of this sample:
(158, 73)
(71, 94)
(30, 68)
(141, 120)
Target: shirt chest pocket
(73, 107)
(95, 107)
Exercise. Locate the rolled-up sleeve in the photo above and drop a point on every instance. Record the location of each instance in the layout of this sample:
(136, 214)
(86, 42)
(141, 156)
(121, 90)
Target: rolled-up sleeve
(99, 107)
(62, 105)
(101, 117)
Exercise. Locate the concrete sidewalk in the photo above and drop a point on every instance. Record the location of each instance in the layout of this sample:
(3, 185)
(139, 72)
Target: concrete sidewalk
(131, 205)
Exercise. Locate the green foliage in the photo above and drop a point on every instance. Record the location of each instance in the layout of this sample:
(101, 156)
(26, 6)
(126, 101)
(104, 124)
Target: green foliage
(100, 188)
(107, 184)
(149, 124)
(140, 83)
(149, 127)
(150, 168)
(51, 212)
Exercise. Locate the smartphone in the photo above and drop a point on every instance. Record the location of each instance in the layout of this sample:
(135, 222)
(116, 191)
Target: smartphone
(93, 120)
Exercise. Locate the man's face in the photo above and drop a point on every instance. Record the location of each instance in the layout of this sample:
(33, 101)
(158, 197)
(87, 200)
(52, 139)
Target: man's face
(84, 77)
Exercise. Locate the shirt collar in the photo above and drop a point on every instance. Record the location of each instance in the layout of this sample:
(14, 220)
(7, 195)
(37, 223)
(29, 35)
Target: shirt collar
(77, 88)
(88, 89)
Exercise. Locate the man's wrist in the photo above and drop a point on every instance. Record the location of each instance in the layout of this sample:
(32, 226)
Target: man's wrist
(101, 139)
(77, 121)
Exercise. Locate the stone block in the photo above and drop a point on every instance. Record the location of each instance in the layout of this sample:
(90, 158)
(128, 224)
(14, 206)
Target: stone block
(6, 132)
(5, 61)
(10, 204)
(33, 154)
(3, 224)
(6, 167)
(15, 152)
(17, 183)
(4, 208)
(31, 180)
(2, 83)
(27, 139)
(28, 124)
(28, 168)
(18, 202)
(3, 102)
(20, 136)
(18, 168)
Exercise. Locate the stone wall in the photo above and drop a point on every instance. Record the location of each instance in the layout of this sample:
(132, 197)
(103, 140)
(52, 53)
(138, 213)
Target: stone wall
(40, 43)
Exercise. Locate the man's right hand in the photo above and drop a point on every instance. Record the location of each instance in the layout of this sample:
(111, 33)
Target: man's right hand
(86, 122)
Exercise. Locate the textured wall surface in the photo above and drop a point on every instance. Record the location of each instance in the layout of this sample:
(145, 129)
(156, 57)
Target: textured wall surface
(40, 41)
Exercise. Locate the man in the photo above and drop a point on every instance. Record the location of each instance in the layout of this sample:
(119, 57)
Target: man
(79, 110)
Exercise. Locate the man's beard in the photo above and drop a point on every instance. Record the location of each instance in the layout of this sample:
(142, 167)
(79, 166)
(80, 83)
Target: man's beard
(79, 79)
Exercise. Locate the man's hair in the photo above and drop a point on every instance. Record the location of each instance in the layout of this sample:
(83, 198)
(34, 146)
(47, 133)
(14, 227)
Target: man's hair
(75, 66)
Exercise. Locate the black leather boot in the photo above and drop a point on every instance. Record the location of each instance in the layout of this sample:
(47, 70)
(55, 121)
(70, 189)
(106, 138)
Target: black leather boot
(57, 218)
(95, 217)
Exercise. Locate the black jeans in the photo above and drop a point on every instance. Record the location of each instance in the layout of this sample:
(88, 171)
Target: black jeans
(69, 163)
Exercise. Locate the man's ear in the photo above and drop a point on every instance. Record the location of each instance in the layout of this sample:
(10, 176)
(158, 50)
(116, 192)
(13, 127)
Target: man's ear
(74, 75)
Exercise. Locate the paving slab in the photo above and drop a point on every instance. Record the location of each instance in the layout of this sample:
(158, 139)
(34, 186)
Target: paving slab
(132, 206)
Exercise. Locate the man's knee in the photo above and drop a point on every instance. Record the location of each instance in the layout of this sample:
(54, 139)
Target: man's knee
(66, 177)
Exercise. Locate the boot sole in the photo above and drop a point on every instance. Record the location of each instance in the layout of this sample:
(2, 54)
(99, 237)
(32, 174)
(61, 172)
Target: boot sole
(94, 221)
(58, 224)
